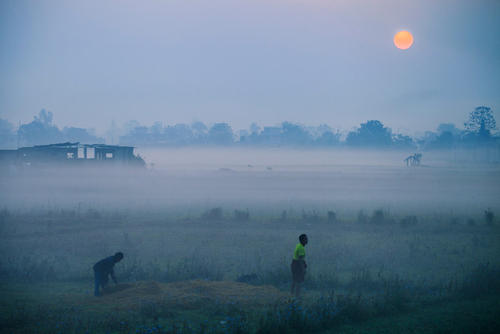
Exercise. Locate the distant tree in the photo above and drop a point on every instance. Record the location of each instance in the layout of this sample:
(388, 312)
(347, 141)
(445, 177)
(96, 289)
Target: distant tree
(200, 132)
(403, 141)
(40, 131)
(113, 133)
(448, 127)
(44, 117)
(328, 138)
(156, 129)
(269, 136)
(179, 134)
(253, 137)
(73, 134)
(243, 135)
(294, 134)
(481, 122)
(254, 128)
(370, 134)
(445, 140)
(131, 125)
(220, 134)
(135, 134)
(199, 127)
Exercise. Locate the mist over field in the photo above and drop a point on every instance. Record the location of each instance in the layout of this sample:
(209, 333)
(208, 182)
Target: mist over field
(208, 233)
(271, 179)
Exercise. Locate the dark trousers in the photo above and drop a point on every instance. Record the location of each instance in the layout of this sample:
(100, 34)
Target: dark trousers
(100, 280)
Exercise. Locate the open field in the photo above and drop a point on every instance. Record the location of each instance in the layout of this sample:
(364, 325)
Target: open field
(49, 257)
(390, 248)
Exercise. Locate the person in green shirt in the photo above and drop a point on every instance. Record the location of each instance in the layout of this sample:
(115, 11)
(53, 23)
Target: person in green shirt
(299, 265)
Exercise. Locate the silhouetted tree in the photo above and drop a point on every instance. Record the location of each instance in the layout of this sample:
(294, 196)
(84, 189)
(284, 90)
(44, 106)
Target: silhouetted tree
(80, 135)
(40, 131)
(370, 134)
(179, 134)
(254, 128)
(402, 141)
(220, 134)
(481, 122)
(294, 134)
(448, 127)
(328, 138)
(445, 140)
(200, 132)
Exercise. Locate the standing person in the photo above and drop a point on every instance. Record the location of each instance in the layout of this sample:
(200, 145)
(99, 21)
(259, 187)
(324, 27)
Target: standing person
(299, 265)
(103, 269)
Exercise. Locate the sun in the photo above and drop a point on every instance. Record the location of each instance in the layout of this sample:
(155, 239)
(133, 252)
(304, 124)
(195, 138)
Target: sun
(403, 40)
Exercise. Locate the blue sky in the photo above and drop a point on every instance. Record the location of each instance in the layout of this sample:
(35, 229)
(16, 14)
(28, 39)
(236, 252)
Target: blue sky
(312, 62)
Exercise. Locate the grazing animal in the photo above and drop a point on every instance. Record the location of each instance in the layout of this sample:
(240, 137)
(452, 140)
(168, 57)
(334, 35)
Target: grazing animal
(413, 160)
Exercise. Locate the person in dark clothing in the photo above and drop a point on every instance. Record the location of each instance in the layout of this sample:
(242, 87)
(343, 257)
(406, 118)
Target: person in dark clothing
(103, 269)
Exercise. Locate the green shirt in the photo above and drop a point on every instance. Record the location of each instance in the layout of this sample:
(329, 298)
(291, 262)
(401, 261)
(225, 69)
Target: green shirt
(299, 252)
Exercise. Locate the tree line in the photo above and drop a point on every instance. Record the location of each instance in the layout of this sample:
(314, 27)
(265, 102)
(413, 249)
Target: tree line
(477, 131)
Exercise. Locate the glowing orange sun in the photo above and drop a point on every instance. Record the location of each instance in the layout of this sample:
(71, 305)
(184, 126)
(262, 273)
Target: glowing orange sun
(403, 40)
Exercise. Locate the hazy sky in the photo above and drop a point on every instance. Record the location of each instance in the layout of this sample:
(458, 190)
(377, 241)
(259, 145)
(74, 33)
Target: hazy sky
(307, 61)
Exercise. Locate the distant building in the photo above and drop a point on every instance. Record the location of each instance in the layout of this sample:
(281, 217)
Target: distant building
(71, 154)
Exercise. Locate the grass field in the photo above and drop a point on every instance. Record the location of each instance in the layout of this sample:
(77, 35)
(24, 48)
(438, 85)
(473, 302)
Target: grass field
(391, 249)
(368, 272)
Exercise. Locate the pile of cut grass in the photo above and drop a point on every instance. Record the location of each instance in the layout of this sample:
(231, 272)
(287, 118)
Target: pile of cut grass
(184, 295)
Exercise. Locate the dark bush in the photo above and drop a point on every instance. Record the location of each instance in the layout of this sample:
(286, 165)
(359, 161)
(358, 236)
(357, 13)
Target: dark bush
(331, 216)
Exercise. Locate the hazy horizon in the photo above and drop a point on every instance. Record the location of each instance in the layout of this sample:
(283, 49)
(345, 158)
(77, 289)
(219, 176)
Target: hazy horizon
(308, 62)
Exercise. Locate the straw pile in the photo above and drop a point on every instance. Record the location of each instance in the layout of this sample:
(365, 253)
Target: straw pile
(186, 295)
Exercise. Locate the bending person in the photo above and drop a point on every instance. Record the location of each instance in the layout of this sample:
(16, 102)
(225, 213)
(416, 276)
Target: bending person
(103, 269)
